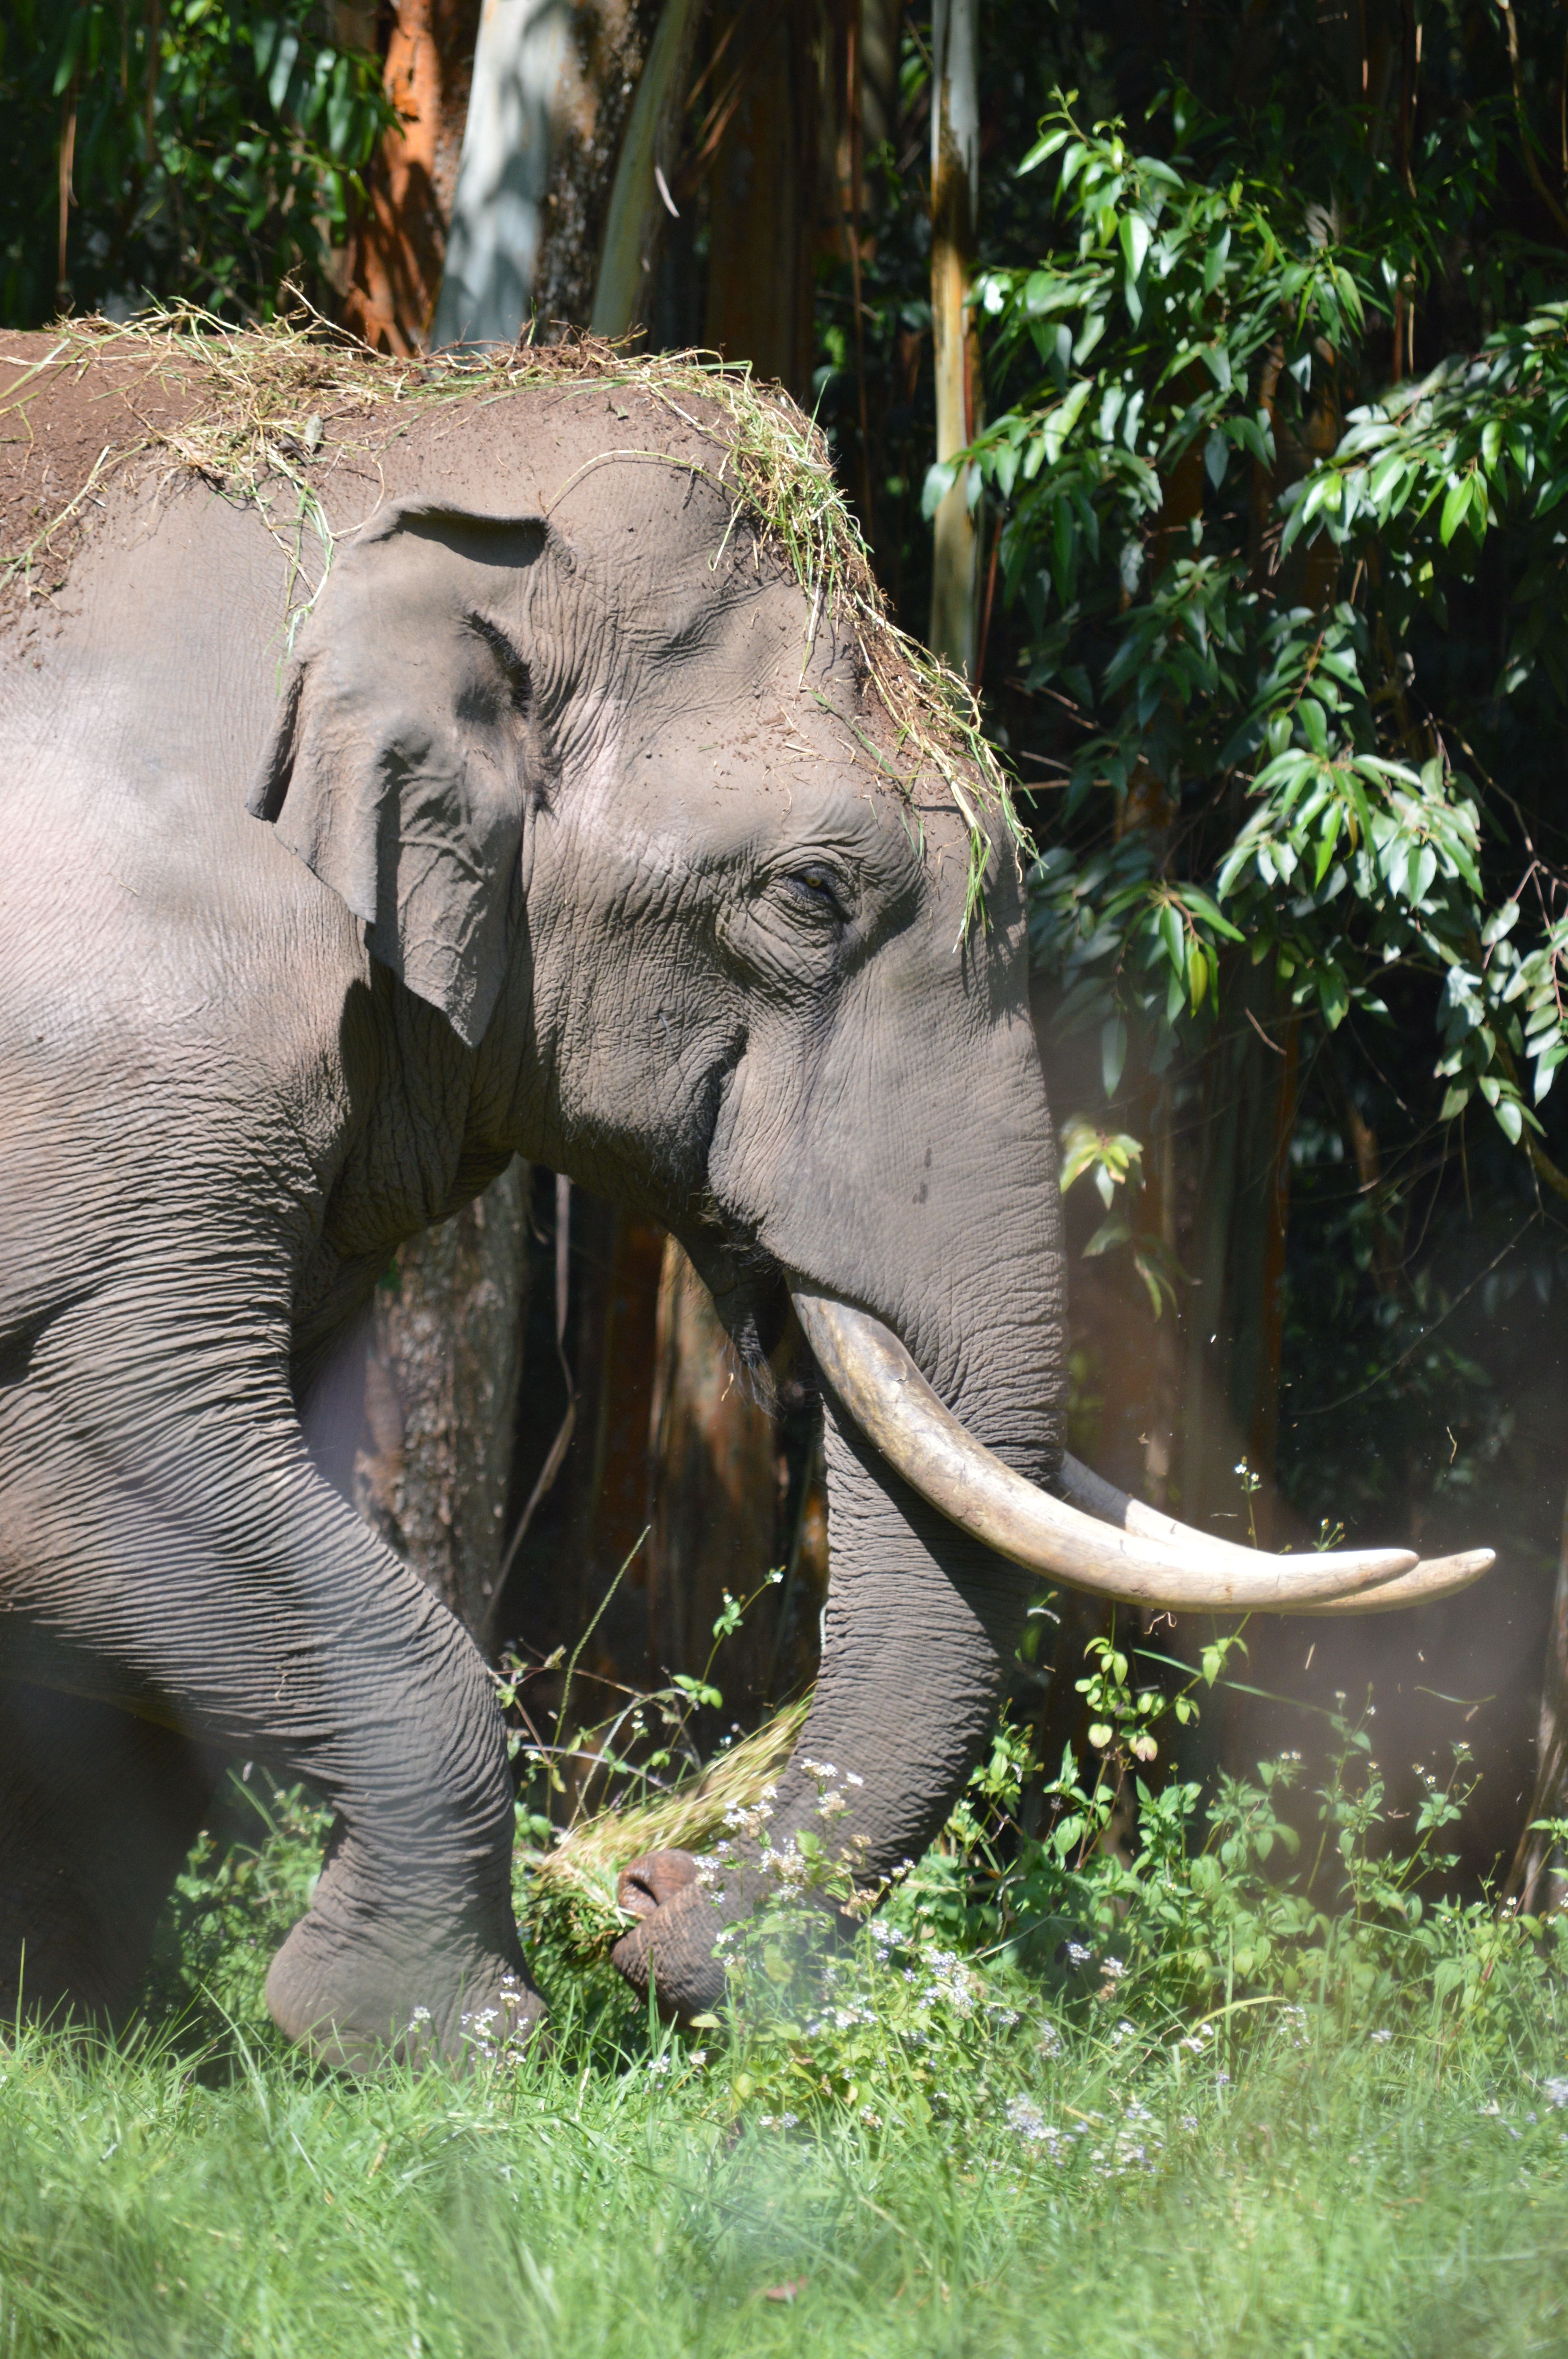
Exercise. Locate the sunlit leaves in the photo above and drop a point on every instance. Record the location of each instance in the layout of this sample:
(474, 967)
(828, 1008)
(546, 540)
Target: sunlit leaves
(1107, 1157)
(1186, 311)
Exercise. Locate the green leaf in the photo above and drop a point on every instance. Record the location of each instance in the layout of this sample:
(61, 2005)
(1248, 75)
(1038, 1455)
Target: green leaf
(1044, 148)
(1061, 420)
(1420, 868)
(1326, 841)
(1134, 243)
(1112, 1054)
(1456, 507)
(1315, 722)
(1332, 998)
(1511, 1119)
(940, 477)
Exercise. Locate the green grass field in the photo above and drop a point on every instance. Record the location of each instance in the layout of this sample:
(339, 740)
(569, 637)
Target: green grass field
(941, 2151)
(1311, 2194)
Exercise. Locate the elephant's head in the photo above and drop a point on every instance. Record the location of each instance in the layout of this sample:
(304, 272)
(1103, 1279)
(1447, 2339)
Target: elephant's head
(619, 796)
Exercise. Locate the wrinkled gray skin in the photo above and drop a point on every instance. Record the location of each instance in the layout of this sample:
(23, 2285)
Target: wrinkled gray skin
(554, 851)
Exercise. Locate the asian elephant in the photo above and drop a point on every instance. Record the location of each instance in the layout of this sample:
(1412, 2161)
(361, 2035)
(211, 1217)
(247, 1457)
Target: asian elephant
(566, 816)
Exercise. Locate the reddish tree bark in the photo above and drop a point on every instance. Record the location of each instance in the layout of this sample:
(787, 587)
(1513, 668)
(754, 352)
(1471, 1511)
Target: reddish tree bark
(393, 265)
(718, 1480)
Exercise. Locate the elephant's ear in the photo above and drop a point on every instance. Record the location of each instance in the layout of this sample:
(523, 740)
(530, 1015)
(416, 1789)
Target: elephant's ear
(398, 767)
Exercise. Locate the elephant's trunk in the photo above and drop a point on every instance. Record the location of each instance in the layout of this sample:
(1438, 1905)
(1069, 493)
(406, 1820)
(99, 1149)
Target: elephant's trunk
(920, 1628)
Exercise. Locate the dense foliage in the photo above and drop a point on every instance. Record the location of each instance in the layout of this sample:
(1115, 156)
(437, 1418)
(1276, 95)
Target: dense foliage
(1269, 708)
(1270, 496)
(209, 151)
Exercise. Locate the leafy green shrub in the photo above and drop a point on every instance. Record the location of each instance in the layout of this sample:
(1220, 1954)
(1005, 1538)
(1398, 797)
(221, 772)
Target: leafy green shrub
(249, 1878)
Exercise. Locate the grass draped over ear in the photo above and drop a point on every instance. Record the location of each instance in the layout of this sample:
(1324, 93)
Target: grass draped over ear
(244, 408)
(568, 1894)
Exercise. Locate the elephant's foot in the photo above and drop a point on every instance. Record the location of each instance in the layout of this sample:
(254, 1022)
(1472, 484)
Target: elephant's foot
(672, 1944)
(356, 2002)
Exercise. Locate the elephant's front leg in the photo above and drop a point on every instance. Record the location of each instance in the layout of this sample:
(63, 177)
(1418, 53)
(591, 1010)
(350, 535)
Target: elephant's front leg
(213, 1575)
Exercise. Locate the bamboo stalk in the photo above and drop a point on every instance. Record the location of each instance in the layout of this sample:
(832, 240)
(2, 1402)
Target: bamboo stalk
(955, 202)
(637, 210)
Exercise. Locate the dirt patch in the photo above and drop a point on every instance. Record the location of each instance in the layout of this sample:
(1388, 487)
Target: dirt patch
(90, 406)
(66, 426)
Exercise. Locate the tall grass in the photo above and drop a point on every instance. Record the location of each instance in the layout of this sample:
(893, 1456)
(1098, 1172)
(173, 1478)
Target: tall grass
(975, 2130)
(1310, 2194)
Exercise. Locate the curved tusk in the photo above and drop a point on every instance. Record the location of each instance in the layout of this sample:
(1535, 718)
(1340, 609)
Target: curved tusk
(1434, 1577)
(890, 1401)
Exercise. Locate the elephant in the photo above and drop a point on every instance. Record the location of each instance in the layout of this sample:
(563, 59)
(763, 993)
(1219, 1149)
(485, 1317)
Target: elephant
(476, 767)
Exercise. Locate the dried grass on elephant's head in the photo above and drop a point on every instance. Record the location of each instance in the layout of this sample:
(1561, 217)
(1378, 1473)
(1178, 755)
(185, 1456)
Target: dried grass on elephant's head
(568, 1896)
(252, 407)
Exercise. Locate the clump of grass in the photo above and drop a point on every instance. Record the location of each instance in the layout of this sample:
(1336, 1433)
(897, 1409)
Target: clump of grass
(567, 1893)
(259, 400)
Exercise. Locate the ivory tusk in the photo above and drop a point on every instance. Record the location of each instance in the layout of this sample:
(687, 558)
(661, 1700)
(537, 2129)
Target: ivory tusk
(1109, 1554)
(1433, 1577)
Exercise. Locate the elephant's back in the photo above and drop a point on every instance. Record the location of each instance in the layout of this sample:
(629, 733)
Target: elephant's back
(148, 924)
(65, 429)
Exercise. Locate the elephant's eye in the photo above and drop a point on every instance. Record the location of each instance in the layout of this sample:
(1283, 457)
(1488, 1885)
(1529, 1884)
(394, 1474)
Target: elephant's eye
(819, 889)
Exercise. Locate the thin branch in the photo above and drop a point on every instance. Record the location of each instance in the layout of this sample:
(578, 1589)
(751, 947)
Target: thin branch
(1526, 144)
(1326, 1408)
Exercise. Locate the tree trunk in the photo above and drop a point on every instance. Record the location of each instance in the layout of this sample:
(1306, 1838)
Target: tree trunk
(441, 1378)
(955, 206)
(598, 87)
(1237, 1255)
(498, 210)
(879, 29)
(639, 206)
(763, 201)
(616, 1261)
(718, 1480)
(398, 244)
